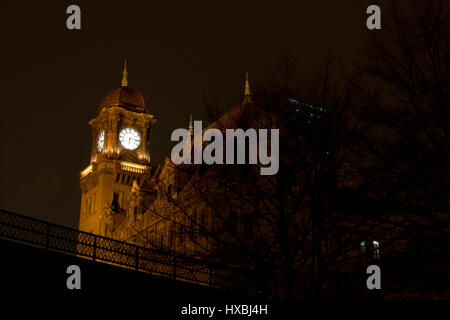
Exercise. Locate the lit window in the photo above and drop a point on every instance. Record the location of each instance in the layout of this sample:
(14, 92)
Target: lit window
(363, 248)
(376, 249)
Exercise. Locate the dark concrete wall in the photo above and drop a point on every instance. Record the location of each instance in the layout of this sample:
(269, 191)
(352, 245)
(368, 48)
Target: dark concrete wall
(31, 271)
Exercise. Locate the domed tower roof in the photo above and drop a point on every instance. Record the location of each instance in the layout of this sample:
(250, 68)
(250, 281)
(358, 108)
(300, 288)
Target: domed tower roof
(128, 98)
(125, 97)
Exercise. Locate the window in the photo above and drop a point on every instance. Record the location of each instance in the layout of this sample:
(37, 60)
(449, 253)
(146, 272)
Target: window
(203, 219)
(376, 249)
(193, 223)
(115, 201)
(171, 237)
(363, 248)
(133, 215)
(89, 205)
(180, 234)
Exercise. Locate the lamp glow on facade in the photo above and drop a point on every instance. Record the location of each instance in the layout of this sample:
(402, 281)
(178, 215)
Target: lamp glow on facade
(133, 167)
(86, 171)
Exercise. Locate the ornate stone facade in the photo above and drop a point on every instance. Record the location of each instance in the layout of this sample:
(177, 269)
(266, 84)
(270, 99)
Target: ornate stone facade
(107, 182)
(126, 198)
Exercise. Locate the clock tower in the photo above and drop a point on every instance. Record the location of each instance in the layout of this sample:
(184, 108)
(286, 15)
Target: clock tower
(120, 157)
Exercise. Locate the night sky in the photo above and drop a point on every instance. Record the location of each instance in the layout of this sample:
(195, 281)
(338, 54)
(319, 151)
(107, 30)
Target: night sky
(178, 52)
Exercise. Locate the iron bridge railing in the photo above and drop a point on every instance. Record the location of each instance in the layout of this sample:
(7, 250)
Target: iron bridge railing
(59, 238)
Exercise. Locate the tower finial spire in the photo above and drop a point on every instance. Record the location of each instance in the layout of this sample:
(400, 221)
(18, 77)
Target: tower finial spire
(247, 85)
(125, 75)
(247, 97)
(191, 128)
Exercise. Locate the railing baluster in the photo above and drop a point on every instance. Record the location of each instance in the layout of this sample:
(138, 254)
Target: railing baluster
(47, 236)
(95, 247)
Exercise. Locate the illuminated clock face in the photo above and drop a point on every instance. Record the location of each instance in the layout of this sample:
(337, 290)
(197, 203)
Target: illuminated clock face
(129, 138)
(101, 141)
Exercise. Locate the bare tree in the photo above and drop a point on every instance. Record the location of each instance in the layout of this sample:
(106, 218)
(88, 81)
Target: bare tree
(357, 166)
(288, 235)
(407, 99)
